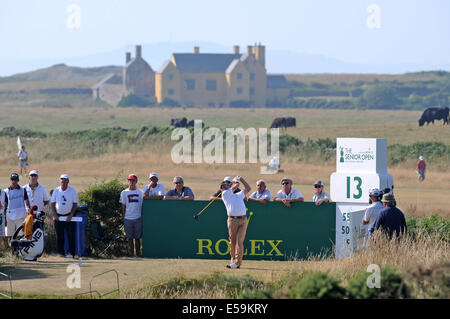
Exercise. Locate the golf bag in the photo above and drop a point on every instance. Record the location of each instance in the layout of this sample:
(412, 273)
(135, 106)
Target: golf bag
(30, 249)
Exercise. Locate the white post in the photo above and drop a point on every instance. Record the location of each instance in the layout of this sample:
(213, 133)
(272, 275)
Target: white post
(361, 164)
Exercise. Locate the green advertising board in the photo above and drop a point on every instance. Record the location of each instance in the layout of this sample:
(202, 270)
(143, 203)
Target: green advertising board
(274, 232)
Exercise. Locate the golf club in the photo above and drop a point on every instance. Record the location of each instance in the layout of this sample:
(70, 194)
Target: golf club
(196, 217)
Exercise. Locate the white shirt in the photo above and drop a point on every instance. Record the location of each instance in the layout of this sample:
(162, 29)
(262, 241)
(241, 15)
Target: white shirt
(293, 194)
(64, 199)
(323, 195)
(265, 194)
(234, 202)
(372, 213)
(158, 190)
(37, 196)
(132, 199)
(22, 155)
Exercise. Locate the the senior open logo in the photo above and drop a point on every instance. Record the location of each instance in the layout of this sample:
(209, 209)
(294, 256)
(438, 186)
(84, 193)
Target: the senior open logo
(213, 145)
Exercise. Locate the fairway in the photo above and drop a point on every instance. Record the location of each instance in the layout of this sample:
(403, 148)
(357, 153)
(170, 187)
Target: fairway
(48, 276)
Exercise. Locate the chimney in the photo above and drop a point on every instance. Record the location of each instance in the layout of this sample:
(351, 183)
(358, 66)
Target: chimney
(249, 50)
(236, 49)
(260, 54)
(196, 50)
(138, 51)
(127, 57)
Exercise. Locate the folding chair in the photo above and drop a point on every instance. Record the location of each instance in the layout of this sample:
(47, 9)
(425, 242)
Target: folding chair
(99, 234)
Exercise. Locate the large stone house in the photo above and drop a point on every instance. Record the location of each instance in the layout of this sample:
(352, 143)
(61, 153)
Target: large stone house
(137, 78)
(201, 79)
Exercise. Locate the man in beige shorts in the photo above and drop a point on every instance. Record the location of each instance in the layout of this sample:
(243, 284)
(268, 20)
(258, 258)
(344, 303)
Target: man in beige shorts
(237, 219)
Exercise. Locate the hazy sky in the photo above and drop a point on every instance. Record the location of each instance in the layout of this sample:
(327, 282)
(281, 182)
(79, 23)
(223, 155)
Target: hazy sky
(389, 31)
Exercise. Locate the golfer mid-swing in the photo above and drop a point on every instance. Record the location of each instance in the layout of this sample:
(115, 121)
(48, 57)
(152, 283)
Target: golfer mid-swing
(237, 219)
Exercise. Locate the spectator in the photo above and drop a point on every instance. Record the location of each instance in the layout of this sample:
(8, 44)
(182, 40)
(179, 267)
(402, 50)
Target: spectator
(237, 219)
(390, 219)
(23, 160)
(153, 190)
(421, 166)
(180, 191)
(320, 196)
(64, 203)
(37, 193)
(2, 218)
(17, 206)
(287, 194)
(131, 200)
(218, 195)
(372, 212)
(262, 194)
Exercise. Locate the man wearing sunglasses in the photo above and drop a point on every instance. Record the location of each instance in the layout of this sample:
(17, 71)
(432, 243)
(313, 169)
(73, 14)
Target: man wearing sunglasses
(287, 194)
(320, 196)
(180, 192)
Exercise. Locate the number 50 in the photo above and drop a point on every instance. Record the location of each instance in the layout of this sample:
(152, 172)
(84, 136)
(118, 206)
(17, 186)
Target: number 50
(358, 187)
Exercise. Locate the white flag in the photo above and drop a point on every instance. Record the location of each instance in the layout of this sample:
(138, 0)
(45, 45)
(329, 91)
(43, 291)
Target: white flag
(19, 143)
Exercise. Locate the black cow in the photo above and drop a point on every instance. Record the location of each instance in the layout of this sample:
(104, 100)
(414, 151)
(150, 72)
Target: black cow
(181, 122)
(283, 122)
(434, 113)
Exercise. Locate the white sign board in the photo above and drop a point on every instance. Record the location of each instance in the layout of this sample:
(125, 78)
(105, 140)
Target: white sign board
(361, 165)
(361, 155)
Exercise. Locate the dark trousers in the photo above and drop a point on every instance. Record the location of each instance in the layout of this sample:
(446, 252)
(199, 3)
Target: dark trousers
(70, 229)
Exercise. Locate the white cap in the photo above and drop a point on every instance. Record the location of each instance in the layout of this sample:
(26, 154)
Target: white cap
(64, 176)
(228, 179)
(421, 158)
(375, 192)
(153, 175)
(33, 172)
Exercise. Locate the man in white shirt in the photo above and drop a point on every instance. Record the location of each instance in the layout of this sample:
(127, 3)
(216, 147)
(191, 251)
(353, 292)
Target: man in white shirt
(131, 200)
(372, 212)
(237, 219)
(262, 194)
(287, 194)
(37, 193)
(320, 196)
(23, 160)
(153, 190)
(16, 205)
(64, 203)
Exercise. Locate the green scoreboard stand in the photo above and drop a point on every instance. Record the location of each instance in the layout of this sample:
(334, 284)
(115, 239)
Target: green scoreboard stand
(274, 232)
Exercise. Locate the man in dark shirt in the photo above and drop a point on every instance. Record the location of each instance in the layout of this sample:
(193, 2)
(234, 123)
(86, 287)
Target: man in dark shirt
(390, 219)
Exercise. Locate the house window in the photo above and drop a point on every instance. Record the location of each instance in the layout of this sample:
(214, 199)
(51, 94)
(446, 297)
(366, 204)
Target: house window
(239, 90)
(170, 91)
(252, 91)
(211, 85)
(239, 76)
(189, 84)
(170, 76)
(252, 76)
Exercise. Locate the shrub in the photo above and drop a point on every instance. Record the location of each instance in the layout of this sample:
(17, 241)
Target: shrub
(104, 207)
(240, 103)
(317, 285)
(134, 100)
(433, 225)
(169, 102)
(392, 285)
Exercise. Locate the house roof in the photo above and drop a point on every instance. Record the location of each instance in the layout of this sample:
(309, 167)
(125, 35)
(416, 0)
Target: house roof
(110, 79)
(164, 66)
(277, 82)
(232, 65)
(203, 62)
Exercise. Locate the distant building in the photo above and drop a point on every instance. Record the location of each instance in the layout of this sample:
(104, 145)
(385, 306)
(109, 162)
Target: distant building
(137, 78)
(278, 90)
(199, 79)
